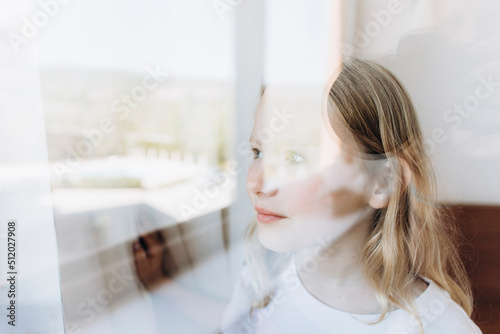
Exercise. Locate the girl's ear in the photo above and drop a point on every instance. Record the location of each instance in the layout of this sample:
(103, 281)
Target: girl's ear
(405, 171)
(383, 185)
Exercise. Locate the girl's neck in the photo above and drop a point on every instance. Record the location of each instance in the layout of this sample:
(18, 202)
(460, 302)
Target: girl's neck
(334, 274)
(339, 262)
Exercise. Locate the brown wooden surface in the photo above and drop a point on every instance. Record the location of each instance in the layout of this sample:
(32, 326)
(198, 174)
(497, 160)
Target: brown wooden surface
(480, 226)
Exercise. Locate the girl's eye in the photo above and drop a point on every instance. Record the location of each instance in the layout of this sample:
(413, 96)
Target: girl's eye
(294, 157)
(256, 153)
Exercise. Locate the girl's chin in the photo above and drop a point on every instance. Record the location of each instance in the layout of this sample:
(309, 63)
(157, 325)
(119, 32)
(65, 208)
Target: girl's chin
(275, 243)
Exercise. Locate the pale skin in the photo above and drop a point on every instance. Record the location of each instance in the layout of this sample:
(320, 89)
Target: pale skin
(313, 179)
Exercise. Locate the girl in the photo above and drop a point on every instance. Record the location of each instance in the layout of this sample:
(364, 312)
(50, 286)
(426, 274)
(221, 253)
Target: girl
(352, 239)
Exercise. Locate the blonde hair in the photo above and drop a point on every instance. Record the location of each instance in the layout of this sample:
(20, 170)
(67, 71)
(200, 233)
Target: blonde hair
(409, 238)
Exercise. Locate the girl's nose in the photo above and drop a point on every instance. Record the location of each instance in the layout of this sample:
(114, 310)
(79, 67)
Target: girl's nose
(260, 185)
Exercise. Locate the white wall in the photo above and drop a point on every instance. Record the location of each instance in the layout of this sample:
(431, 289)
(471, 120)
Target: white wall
(445, 52)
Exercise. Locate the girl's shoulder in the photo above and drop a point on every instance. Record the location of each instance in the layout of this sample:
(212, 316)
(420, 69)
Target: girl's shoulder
(441, 314)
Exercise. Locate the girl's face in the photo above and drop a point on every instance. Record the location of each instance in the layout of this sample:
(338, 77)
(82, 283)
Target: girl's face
(304, 182)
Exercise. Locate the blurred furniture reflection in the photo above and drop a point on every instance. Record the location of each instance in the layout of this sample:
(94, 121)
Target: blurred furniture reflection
(108, 256)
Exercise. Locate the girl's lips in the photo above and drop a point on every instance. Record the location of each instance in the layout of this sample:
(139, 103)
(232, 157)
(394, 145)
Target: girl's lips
(268, 218)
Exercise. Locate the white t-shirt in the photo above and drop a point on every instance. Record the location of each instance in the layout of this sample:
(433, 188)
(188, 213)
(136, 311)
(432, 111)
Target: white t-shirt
(295, 310)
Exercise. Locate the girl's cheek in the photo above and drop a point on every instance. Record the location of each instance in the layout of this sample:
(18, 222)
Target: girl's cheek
(303, 196)
(345, 201)
(316, 197)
